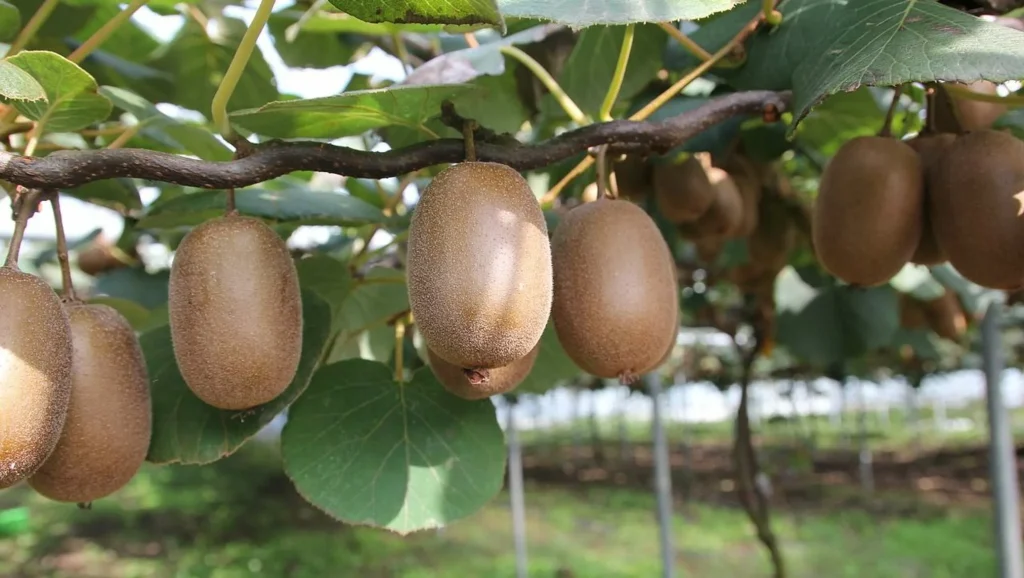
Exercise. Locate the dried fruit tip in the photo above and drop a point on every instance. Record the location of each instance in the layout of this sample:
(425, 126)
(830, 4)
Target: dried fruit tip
(628, 377)
(477, 376)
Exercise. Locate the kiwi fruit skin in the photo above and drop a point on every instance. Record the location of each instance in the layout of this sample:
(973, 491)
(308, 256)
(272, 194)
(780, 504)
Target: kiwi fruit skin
(616, 299)
(479, 266)
(682, 191)
(500, 379)
(35, 373)
(945, 316)
(634, 178)
(109, 422)
(930, 148)
(724, 218)
(978, 114)
(235, 312)
(867, 220)
(973, 209)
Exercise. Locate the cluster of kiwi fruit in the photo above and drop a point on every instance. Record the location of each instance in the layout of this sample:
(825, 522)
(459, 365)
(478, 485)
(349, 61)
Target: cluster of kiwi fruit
(485, 278)
(937, 197)
(75, 415)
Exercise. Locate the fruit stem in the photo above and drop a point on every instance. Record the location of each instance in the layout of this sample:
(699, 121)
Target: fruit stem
(661, 99)
(229, 203)
(467, 135)
(25, 206)
(104, 32)
(549, 82)
(886, 130)
(399, 347)
(602, 173)
(219, 105)
(692, 47)
(62, 247)
(620, 73)
(471, 40)
(33, 26)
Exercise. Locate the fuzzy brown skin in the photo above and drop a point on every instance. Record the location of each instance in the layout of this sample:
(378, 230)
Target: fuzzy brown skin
(978, 114)
(973, 211)
(682, 191)
(930, 149)
(634, 178)
(35, 373)
(616, 299)
(867, 218)
(479, 266)
(235, 312)
(724, 218)
(109, 422)
(499, 380)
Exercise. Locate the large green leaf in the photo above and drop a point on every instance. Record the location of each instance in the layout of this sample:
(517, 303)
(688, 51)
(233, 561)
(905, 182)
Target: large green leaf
(329, 279)
(10, 21)
(824, 47)
(580, 14)
(376, 298)
(118, 194)
(72, 101)
(304, 46)
(134, 284)
(188, 431)
(551, 367)
(404, 457)
(282, 205)
(16, 84)
(66, 19)
(351, 113)
(463, 13)
(839, 119)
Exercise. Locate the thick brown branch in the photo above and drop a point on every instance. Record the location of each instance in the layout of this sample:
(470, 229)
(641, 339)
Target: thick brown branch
(66, 169)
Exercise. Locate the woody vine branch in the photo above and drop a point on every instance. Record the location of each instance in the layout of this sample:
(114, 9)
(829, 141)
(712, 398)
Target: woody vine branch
(266, 161)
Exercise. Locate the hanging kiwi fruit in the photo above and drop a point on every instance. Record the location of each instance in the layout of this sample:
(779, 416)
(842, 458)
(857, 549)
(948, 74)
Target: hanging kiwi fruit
(682, 190)
(35, 362)
(634, 177)
(975, 208)
(978, 114)
(479, 267)
(724, 217)
(929, 147)
(469, 386)
(235, 312)
(867, 219)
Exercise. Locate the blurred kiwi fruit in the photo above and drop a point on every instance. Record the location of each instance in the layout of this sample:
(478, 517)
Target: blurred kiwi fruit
(235, 312)
(682, 190)
(978, 114)
(930, 148)
(724, 217)
(469, 384)
(479, 266)
(109, 422)
(867, 219)
(945, 316)
(615, 293)
(634, 178)
(35, 373)
(975, 208)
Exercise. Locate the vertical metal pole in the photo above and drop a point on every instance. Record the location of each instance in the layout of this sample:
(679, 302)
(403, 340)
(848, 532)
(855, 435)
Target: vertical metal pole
(662, 478)
(625, 453)
(516, 493)
(867, 473)
(1002, 454)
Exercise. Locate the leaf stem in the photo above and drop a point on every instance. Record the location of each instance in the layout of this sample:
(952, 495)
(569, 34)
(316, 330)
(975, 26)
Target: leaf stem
(62, 248)
(549, 82)
(219, 106)
(399, 347)
(25, 206)
(401, 51)
(619, 75)
(602, 173)
(886, 129)
(467, 136)
(471, 40)
(125, 136)
(692, 47)
(104, 32)
(32, 26)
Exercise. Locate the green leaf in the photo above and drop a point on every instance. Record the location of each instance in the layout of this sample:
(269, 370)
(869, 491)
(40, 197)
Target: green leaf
(118, 194)
(403, 457)
(375, 299)
(186, 430)
(591, 65)
(580, 14)
(308, 46)
(65, 20)
(284, 205)
(716, 138)
(552, 366)
(16, 84)
(10, 21)
(349, 114)
(917, 280)
(134, 284)
(137, 315)
(465, 14)
(840, 118)
(192, 138)
(329, 279)
(71, 102)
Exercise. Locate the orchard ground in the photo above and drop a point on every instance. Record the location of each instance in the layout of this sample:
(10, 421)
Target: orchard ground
(588, 516)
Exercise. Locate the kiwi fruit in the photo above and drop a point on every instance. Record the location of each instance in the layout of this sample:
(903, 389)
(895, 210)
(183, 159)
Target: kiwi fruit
(109, 421)
(945, 316)
(682, 191)
(724, 218)
(235, 312)
(974, 212)
(912, 313)
(748, 182)
(978, 114)
(479, 266)
(867, 219)
(633, 178)
(35, 373)
(469, 384)
(930, 148)
(616, 297)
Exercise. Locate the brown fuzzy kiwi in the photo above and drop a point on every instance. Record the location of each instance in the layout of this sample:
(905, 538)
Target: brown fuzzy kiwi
(235, 312)
(748, 182)
(945, 316)
(101, 256)
(724, 217)
(867, 219)
(470, 384)
(479, 266)
(978, 114)
(634, 178)
(616, 298)
(35, 373)
(930, 148)
(974, 209)
(682, 191)
(912, 312)
(109, 423)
